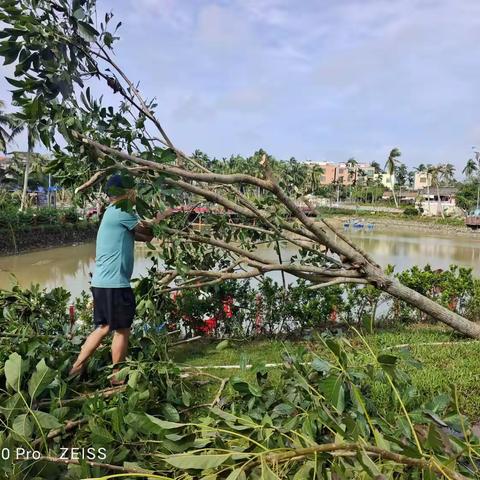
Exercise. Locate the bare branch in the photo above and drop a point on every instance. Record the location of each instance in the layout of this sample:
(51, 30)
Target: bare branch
(339, 281)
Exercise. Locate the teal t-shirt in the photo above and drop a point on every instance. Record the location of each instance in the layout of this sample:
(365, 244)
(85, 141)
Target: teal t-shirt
(114, 250)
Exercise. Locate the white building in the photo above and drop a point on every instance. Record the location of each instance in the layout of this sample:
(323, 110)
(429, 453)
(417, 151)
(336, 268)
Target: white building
(422, 180)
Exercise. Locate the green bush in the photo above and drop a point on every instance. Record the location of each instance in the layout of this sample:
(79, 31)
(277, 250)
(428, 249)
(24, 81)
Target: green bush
(70, 216)
(10, 217)
(411, 212)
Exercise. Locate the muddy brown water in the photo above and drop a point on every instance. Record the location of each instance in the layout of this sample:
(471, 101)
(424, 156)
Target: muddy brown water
(70, 266)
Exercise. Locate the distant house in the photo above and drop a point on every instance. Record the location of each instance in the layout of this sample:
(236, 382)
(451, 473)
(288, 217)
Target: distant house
(341, 173)
(422, 180)
(403, 196)
(430, 204)
(385, 179)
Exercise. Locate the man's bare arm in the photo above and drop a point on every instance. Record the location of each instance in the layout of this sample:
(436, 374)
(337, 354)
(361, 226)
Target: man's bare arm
(143, 231)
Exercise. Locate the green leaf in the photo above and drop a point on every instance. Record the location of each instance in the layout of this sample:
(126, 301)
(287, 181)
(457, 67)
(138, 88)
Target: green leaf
(304, 471)
(387, 363)
(86, 31)
(334, 392)
(13, 370)
(164, 424)
(242, 386)
(237, 474)
(434, 440)
(369, 465)
(168, 156)
(40, 379)
(222, 345)
(268, 473)
(22, 426)
(321, 365)
(283, 410)
(170, 412)
(47, 421)
(101, 436)
(197, 462)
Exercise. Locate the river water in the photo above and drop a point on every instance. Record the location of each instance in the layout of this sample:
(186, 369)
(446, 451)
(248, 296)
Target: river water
(70, 266)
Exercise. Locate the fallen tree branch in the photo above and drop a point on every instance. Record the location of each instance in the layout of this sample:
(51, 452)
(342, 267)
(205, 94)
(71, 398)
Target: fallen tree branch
(298, 454)
(68, 427)
(105, 393)
(108, 466)
(188, 340)
(339, 281)
(219, 393)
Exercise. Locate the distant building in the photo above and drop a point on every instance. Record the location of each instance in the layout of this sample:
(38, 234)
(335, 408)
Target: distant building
(422, 180)
(340, 172)
(385, 179)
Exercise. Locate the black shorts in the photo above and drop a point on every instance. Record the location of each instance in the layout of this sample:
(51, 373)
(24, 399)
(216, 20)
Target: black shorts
(113, 306)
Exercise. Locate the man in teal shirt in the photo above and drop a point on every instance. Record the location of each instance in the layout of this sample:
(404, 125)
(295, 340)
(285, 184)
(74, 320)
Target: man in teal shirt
(113, 298)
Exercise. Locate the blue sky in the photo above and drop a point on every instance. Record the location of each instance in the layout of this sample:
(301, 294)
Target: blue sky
(318, 80)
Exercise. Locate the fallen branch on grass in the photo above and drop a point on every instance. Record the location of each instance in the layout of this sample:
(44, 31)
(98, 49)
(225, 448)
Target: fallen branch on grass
(188, 340)
(343, 449)
(238, 367)
(108, 466)
(105, 393)
(69, 426)
(425, 344)
(219, 393)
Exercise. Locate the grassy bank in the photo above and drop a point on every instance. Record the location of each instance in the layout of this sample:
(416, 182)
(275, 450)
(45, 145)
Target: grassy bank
(453, 363)
(327, 212)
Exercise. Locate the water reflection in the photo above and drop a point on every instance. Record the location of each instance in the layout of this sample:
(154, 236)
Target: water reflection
(70, 266)
(404, 249)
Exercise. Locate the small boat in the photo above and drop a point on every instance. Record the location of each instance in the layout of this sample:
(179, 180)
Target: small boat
(370, 226)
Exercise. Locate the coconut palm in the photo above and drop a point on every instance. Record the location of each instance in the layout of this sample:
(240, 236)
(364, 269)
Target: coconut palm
(448, 173)
(439, 173)
(471, 168)
(352, 169)
(313, 180)
(377, 167)
(9, 127)
(392, 162)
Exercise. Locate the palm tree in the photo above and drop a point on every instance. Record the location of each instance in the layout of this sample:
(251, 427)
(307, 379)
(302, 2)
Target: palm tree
(9, 127)
(390, 169)
(352, 172)
(448, 173)
(313, 181)
(472, 167)
(439, 173)
(377, 167)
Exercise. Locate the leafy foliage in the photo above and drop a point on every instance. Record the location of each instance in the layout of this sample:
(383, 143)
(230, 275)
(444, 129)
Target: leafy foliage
(286, 428)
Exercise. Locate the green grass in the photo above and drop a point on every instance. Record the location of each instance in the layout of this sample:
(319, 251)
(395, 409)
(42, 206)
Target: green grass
(443, 366)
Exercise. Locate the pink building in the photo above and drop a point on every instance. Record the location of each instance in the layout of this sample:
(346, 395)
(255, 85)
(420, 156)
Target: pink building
(333, 172)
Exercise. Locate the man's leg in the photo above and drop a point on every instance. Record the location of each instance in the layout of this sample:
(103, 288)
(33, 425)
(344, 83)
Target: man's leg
(88, 348)
(119, 346)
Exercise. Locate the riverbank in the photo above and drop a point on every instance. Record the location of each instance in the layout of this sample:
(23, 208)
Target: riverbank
(32, 238)
(417, 224)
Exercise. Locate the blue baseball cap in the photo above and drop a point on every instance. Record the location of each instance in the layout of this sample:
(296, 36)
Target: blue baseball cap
(114, 181)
